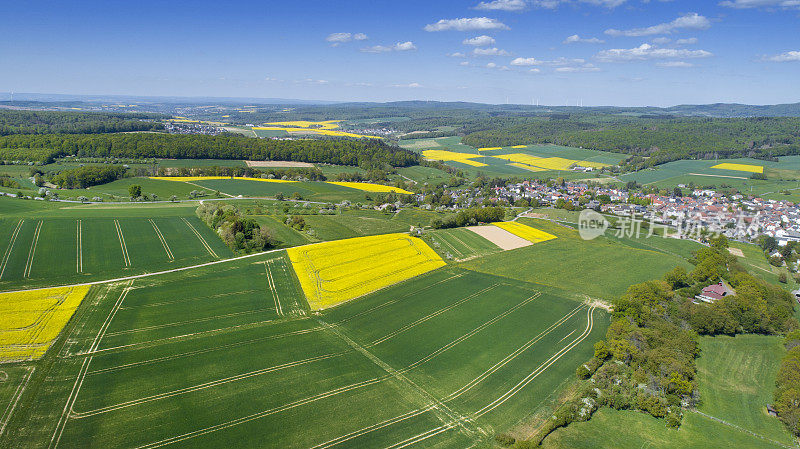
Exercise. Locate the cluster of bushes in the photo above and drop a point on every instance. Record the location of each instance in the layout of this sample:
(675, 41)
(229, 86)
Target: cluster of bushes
(241, 234)
(471, 217)
(87, 176)
(6, 181)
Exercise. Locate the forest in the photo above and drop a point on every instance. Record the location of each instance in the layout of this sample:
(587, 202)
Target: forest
(57, 122)
(367, 154)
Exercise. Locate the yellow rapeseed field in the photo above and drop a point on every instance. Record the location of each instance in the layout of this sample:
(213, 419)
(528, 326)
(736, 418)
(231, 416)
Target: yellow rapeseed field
(740, 167)
(370, 187)
(526, 166)
(547, 163)
(445, 156)
(328, 124)
(490, 148)
(331, 273)
(526, 232)
(519, 146)
(30, 321)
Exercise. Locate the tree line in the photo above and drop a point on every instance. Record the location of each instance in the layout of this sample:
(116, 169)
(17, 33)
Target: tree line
(367, 153)
(87, 176)
(53, 122)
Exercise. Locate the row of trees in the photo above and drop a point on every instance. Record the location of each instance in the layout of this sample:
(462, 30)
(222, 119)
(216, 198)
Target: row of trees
(50, 122)
(366, 153)
(471, 217)
(87, 176)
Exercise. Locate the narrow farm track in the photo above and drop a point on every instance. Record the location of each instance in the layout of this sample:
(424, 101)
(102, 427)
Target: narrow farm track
(32, 251)
(10, 248)
(12, 405)
(163, 241)
(123, 247)
(200, 237)
(272, 289)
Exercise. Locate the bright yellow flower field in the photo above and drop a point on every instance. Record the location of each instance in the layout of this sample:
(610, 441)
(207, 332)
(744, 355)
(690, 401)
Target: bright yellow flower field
(526, 232)
(30, 321)
(370, 187)
(740, 167)
(331, 273)
(445, 156)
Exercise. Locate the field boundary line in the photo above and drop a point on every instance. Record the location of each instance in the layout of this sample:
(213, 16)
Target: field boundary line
(503, 398)
(513, 355)
(206, 350)
(377, 426)
(442, 410)
(535, 373)
(430, 316)
(122, 245)
(76, 388)
(203, 386)
(740, 429)
(200, 237)
(32, 251)
(158, 273)
(162, 239)
(181, 323)
(272, 289)
(261, 414)
(10, 248)
(12, 405)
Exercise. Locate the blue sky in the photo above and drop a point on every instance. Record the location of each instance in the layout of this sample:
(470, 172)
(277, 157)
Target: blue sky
(622, 52)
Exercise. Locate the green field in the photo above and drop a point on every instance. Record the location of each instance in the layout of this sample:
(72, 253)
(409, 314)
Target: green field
(459, 244)
(354, 224)
(76, 244)
(567, 261)
(736, 378)
(313, 191)
(783, 175)
(434, 360)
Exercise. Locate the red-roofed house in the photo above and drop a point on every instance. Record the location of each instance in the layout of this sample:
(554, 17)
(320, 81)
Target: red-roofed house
(714, 292)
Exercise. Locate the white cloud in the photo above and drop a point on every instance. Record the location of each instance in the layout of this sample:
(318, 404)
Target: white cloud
(491, 65)
(687, 41)
(505, 68)
(400, 46)
(575, 39)
(408, 86)
(503, 5)
(467, 24)
(745, 4)
(647, 51)
(691, 21)
(789, 56)
(312, 81)
(479, 41)
(341, 38)
(675, 64)
(490, 52)
(661, 40)
(553, 4)
(535, 70)
(457, 54)
(464, 63)
(526, 62)
(578, 69)
(404, 46)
